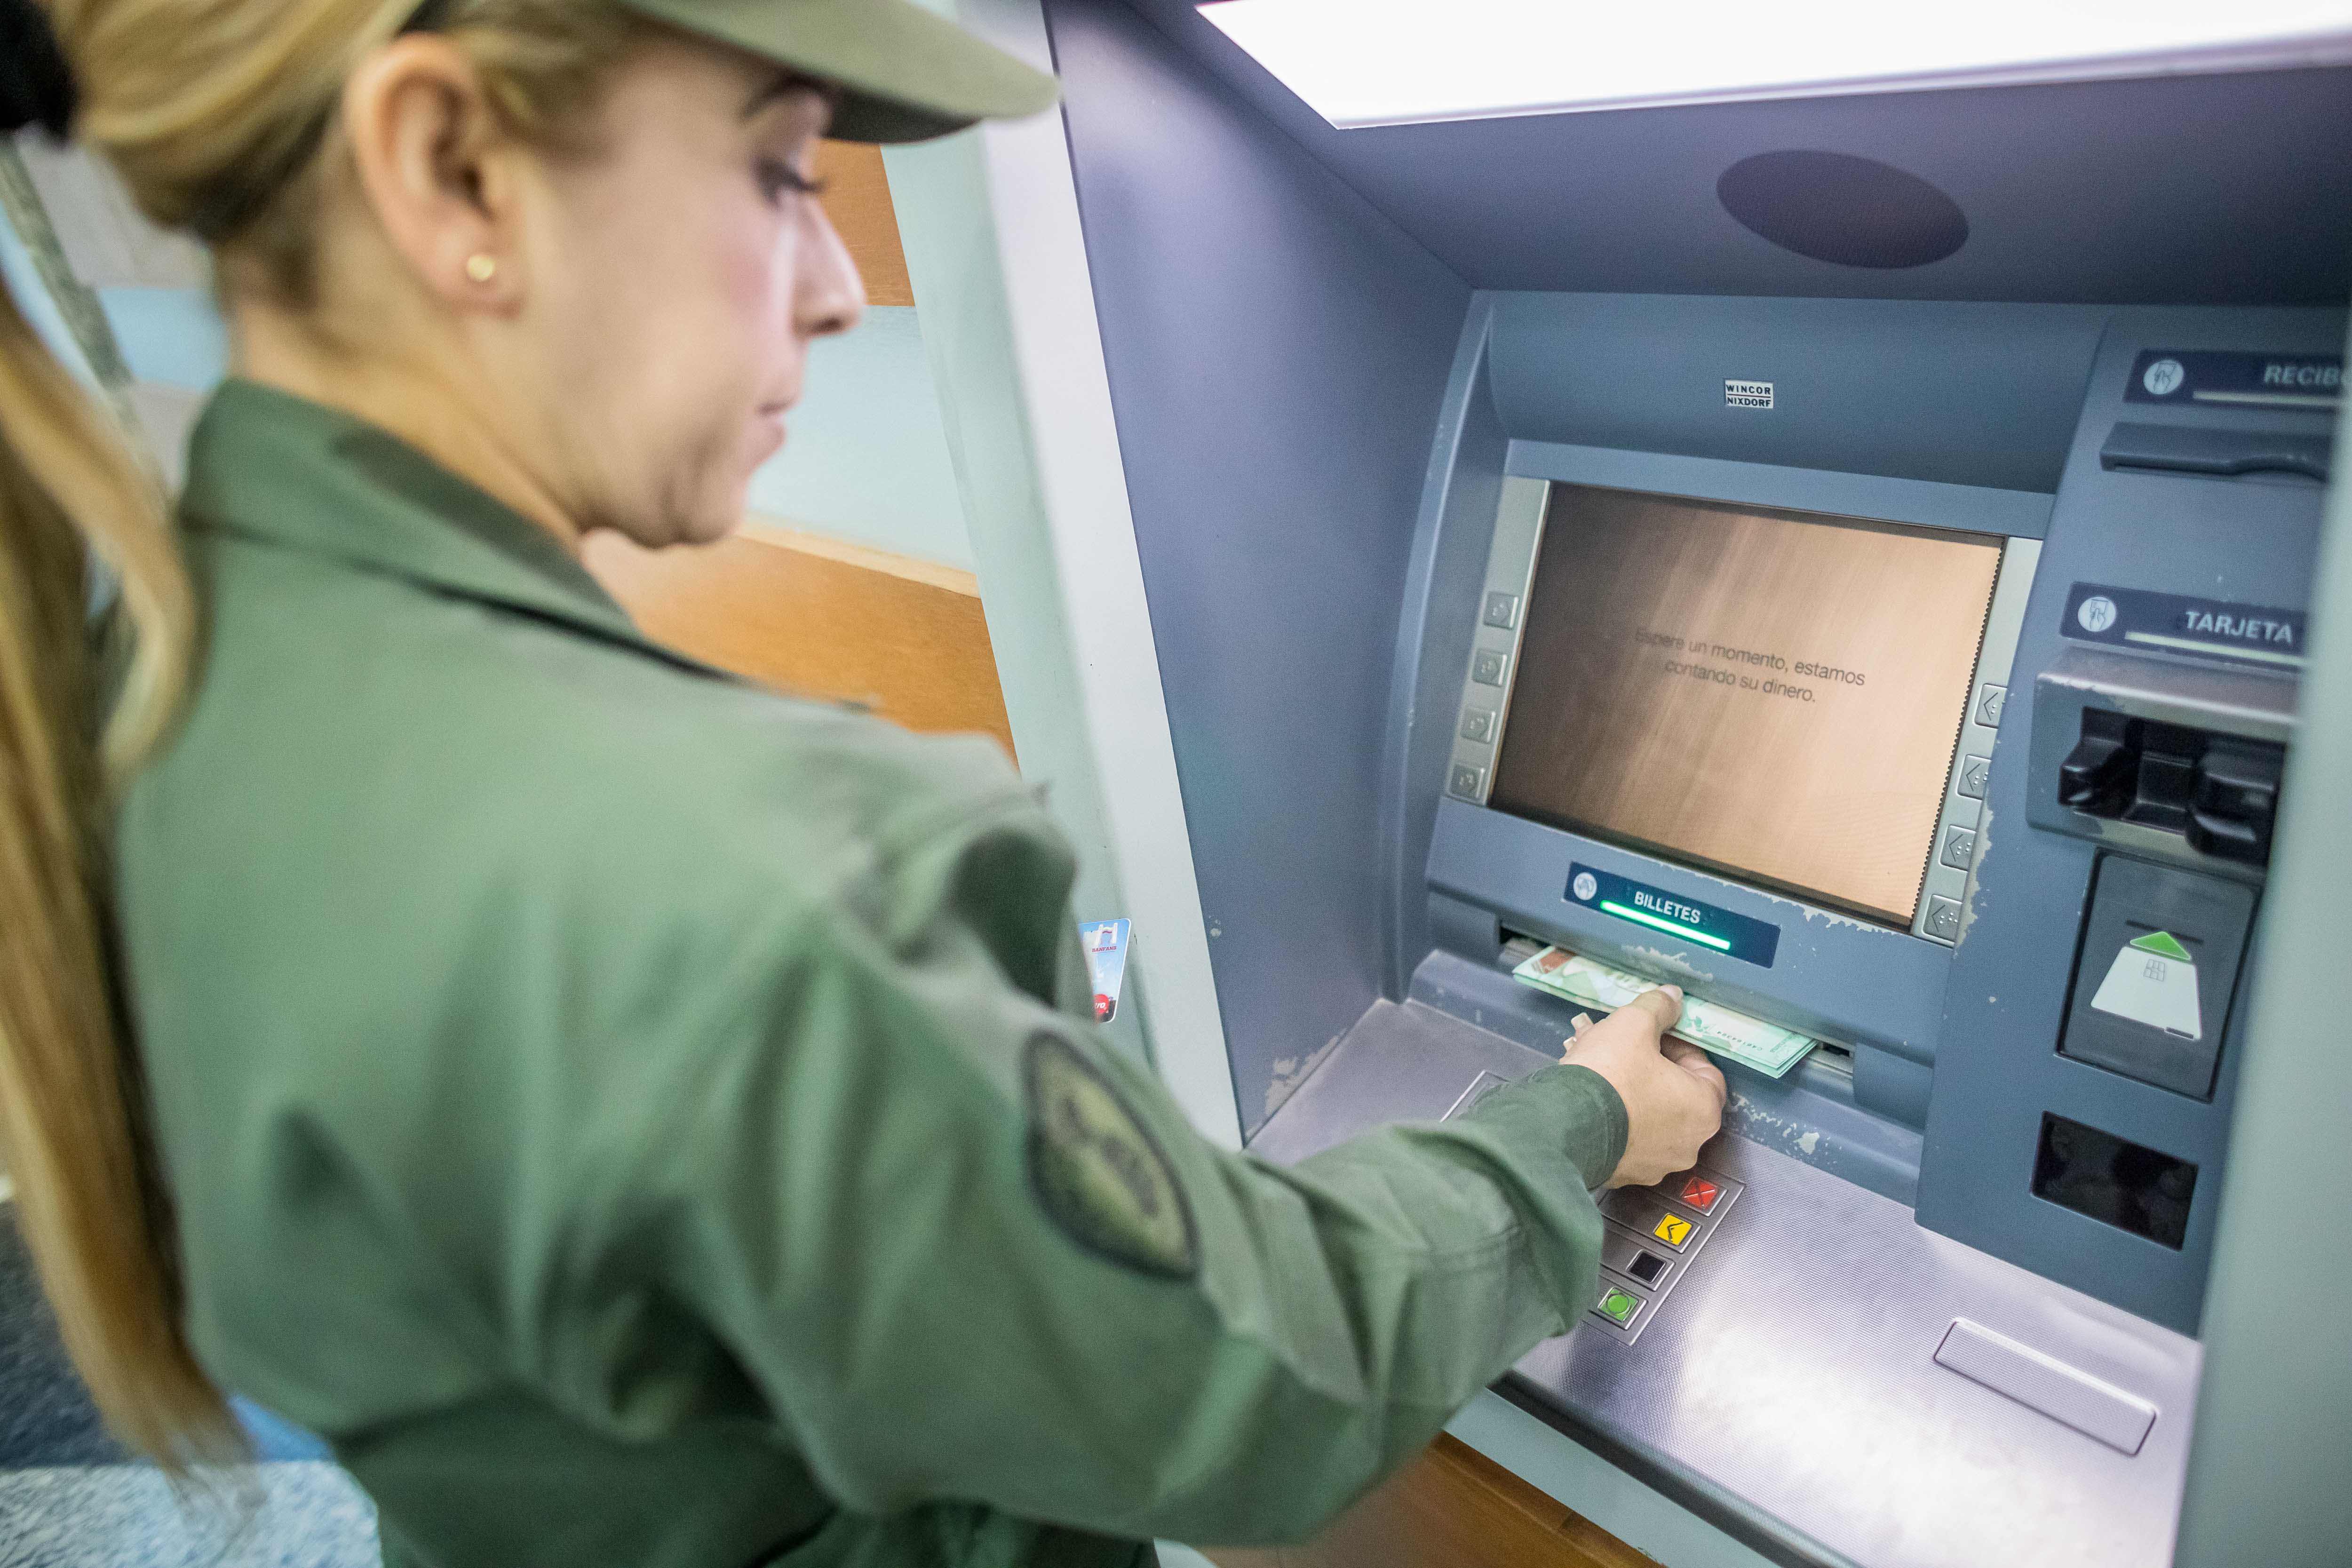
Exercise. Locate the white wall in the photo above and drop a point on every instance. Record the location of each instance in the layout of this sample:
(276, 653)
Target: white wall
(866, 461)
(868, 456)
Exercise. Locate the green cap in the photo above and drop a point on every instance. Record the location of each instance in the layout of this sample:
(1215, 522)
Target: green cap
(905, 74)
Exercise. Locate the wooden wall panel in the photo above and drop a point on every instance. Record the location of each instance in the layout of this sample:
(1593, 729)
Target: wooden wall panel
(1451, 1507)
(819, 618)
(858, 199)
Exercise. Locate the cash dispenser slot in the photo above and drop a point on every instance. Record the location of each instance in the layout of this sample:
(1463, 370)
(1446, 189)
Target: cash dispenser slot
(1833, 1056)
(2221, 453)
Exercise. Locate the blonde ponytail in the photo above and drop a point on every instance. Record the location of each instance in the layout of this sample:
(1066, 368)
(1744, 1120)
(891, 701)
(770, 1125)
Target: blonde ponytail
(215, 113)
(72, 1111)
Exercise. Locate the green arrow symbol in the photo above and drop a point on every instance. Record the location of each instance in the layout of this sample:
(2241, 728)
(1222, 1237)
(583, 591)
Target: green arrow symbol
(2164, 944)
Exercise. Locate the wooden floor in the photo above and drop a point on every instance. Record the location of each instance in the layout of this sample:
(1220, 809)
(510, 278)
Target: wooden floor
(1452, 1507)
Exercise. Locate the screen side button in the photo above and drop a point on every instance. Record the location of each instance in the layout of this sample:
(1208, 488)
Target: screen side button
(1959, 848)
(1943, 918)
(1468, 782)
(1478, 724)
(1502, 611)
(1973, 774)
(1487, 667)
(1990, 699)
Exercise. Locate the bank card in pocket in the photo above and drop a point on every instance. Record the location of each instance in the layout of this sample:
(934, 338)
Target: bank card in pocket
(1106, 943)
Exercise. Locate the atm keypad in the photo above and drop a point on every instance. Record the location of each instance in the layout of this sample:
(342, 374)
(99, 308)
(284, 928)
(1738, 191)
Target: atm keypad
(1649, 1237)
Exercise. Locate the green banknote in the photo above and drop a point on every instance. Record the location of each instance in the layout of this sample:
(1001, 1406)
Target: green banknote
(1768, 1048)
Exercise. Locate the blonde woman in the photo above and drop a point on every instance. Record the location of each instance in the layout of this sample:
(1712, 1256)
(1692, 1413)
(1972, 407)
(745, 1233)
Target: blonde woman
(637, 1119)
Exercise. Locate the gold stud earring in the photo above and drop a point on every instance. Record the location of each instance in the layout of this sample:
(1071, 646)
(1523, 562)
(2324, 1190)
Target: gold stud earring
(481, 267)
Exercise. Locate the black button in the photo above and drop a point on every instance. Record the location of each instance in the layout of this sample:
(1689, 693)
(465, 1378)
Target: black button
(1646, 1267)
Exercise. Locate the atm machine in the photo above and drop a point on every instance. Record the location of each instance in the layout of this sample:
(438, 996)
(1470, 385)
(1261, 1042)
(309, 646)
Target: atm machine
(1851, 555)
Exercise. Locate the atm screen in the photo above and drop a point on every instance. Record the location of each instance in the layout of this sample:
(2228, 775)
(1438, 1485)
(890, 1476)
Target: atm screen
(1774, 695)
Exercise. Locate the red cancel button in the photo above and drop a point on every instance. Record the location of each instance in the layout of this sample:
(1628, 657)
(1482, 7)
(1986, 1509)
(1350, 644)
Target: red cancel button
(1700, 1193)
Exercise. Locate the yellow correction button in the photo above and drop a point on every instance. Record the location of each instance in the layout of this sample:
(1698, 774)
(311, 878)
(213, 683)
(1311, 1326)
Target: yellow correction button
(1673, 1229)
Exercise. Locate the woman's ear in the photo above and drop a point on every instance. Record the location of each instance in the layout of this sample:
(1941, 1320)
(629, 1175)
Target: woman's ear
(438, 170)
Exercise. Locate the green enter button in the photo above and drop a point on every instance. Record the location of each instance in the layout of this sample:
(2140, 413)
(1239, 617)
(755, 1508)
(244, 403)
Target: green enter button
(1618, 1307)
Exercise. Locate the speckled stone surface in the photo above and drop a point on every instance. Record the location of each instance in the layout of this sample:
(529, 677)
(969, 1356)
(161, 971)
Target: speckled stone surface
(69, 1497)
(303, 1514)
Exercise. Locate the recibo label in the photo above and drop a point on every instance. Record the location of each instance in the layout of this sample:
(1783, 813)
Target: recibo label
(1670, 918)
(2330, 377)
(2236, 379)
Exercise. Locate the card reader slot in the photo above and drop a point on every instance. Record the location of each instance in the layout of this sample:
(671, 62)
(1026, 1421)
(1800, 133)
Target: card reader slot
(2219, 791)
(2188, 449)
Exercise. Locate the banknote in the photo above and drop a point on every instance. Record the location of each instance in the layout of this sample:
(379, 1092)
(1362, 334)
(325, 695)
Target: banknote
(1768, 1048)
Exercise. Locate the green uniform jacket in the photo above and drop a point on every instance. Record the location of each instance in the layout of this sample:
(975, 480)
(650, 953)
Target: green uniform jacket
(643, 1119)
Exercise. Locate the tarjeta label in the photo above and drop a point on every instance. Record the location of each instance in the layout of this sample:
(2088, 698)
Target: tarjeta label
(2182, 623)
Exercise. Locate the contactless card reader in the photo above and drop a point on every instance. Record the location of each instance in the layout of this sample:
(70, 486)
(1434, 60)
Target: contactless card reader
(2156, 972)
(2153, 981)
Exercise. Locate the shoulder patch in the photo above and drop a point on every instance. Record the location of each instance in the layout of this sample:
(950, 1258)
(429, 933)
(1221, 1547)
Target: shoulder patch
(1095, 1169)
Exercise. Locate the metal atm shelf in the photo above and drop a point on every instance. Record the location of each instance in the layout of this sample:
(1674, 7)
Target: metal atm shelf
(1791, 1389)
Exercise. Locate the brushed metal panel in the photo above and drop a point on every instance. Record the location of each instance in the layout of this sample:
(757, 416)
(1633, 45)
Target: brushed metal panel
(2055, 1389)
(1789, 1390)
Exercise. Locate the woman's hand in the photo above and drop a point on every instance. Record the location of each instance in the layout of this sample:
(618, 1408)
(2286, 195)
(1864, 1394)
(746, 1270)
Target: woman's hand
(1672, 1094)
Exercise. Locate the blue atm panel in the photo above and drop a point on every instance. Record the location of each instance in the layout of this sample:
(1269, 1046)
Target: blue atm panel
(1451, 445)
(1992, 1189)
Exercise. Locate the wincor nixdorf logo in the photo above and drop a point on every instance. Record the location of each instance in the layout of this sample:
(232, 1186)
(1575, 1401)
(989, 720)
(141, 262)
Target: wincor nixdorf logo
(1748, 394)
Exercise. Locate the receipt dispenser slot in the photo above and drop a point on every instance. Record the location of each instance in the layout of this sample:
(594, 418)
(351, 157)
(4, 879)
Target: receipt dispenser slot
(2215, 454)
(2156, 972)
